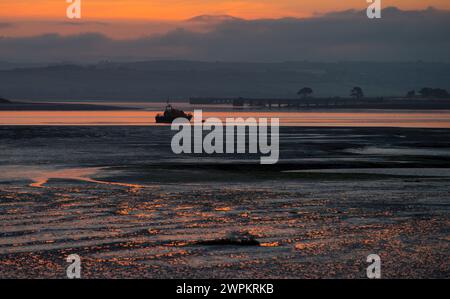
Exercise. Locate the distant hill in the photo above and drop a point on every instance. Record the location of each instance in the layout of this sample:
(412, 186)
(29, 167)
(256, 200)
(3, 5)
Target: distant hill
(4, 101)
(179, 80)
(213, 18)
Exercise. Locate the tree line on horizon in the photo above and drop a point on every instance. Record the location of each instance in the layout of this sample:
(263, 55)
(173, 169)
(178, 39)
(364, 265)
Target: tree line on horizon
(358, 93)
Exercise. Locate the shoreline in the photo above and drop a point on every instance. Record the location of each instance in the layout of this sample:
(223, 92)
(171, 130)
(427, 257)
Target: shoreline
(108, 105)
(42, 106)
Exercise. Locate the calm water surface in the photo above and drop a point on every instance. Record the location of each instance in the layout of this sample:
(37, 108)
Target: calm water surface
(313, 119)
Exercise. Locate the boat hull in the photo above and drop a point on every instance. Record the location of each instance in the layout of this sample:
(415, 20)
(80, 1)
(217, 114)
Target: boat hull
(169, 120)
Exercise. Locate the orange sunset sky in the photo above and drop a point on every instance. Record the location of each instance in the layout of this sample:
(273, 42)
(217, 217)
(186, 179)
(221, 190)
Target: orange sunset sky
(182, 9)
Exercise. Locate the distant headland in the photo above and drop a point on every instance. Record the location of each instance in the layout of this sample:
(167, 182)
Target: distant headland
(4, 101)
(7, 105)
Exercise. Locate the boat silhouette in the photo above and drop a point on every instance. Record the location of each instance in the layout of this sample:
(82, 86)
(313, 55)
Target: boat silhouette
(170, 114)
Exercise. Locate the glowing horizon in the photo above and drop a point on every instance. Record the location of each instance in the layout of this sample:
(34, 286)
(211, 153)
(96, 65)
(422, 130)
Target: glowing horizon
(185, 9)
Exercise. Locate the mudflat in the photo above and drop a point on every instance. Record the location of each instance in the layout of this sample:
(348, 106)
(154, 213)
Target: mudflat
(119, 198)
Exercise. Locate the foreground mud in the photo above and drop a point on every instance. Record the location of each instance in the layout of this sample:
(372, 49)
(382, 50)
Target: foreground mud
(304, 229)
(120, 199)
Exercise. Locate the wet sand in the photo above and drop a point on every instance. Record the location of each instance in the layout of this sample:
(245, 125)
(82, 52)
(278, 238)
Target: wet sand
(120, 199)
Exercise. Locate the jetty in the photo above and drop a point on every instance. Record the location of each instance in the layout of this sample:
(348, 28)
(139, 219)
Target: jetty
(326, 102)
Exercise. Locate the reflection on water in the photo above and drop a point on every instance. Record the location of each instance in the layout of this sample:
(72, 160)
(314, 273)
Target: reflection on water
(316, 119)
(41, 176)
(419, 172)
(372, 150)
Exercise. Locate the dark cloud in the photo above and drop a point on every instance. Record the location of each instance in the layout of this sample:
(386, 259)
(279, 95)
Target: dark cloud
(72, 23)
(350, 35)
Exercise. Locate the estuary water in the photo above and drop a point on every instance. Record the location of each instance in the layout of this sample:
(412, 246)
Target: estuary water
(412, 119)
